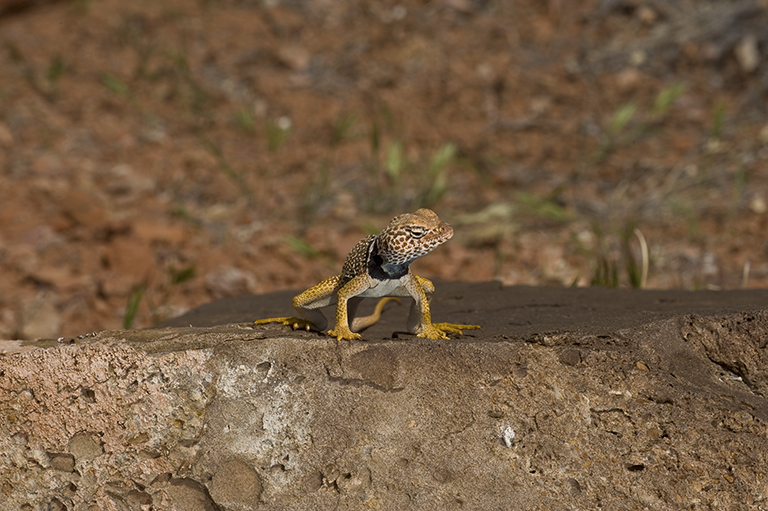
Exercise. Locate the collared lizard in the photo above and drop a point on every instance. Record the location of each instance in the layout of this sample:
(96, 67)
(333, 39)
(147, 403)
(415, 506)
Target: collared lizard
(378, 266)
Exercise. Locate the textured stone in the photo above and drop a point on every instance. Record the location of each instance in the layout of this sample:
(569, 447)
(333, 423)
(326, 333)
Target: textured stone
(236, 483)
(612, 400)
(83, 445)
(63, 462)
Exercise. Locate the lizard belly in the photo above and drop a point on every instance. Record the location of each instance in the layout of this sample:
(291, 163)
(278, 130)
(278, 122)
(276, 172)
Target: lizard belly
(390, 287)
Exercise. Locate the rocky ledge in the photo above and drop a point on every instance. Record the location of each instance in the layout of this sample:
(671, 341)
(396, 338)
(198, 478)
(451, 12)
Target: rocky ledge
(567, 399)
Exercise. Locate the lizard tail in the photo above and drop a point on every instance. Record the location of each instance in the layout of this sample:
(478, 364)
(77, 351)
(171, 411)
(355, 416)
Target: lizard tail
(366, 321)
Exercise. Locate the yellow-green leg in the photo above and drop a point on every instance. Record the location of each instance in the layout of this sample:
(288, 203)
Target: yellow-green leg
(351, 289)
(420, 318)
(308, 305)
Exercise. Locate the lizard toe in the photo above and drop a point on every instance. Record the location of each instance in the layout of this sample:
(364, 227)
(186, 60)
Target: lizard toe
(455, 328)
(430, 332)
(344, 334)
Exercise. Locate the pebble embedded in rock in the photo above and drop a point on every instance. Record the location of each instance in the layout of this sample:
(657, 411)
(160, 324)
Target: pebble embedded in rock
(85, 446)
(63, 462)
(235, 484)
(570, 357)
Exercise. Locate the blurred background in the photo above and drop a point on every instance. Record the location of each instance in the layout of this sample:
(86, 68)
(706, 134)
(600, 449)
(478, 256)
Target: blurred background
(156, 155)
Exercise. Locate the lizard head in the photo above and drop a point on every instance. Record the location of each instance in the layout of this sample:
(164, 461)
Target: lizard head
(412, 235)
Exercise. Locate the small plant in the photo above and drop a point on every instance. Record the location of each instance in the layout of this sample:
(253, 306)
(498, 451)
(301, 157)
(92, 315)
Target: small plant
(115, 85)
(227, 169)
(196, 94)
(132, 307)
(542, 208)
(55, 69)
(383, 122)
(375, 139)
(342, 129)
(607, 262)
(620, 119)
(394, 163)
(745, 274)
(667, 97)
(637, 273)
(410, 181)
(621, 130)
(14, 53)
(277, 133)
(180, 276)
(437, 176)
(606, 273)
(81, 6)
(316, 192)
(302, 247)
(718, 121)
(139, 293)
(245, 120)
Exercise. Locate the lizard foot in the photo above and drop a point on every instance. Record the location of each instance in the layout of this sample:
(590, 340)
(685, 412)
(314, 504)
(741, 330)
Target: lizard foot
(441, 330)
(455, 328)
(295, 323)
(343, 333)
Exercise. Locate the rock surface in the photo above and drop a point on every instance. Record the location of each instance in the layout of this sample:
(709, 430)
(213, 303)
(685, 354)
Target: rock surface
(567, 399)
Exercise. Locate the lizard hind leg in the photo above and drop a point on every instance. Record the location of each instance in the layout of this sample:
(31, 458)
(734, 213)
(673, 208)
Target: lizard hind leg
(455, 328)
(308, 305)
(362, 322)
(312, 318)
(293, 322)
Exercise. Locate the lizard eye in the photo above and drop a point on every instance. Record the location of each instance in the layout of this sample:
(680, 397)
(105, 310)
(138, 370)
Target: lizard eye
(416, 232)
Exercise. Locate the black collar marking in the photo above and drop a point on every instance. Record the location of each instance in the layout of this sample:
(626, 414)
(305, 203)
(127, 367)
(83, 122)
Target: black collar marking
(375, 264)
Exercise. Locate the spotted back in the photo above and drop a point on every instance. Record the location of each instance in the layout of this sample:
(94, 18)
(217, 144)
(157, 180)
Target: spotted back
(356, 262)
(412, 235)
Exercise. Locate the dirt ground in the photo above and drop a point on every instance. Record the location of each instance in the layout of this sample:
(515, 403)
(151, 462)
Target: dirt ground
(157, 155)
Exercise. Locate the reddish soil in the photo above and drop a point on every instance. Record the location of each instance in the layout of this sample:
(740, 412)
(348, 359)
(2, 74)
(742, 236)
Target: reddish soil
(195, 150)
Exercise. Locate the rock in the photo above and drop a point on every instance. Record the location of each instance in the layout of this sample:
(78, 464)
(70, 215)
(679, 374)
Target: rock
(189, 495)
(83, 209)
(84, 446)
(230, 281)
(236, 483)
(157, 232)
(126, 185)
(747, 53)
(294, 56)
(567, 399)
(569, 357)
(63, 462)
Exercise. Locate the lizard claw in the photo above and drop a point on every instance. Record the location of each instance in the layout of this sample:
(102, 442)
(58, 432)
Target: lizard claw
(430, 332)
(441, 330)
(295, 323)
(455, 328)
(344, 333)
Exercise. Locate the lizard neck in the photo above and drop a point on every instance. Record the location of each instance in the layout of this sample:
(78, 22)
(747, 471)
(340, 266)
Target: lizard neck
(395, 271)
(380, 268)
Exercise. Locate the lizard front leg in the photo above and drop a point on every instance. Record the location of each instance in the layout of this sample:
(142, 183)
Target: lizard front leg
(354, 287)
(420, 317)
(308, 305)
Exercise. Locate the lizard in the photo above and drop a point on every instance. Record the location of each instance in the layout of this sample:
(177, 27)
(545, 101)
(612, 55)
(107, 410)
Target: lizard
(378, 266)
